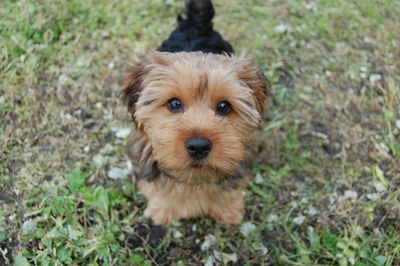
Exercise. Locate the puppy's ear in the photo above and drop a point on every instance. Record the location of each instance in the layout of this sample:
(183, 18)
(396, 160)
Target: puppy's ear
(255, 80)
(133, 85)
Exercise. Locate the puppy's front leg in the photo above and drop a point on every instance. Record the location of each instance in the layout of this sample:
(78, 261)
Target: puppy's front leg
(228, 207)
(160, 214)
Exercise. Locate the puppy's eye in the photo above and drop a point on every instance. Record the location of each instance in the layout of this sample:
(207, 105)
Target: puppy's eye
(175, 105)
(223, 108)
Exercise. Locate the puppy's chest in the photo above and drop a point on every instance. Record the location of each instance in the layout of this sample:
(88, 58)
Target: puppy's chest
(180, 192)
(192, 200)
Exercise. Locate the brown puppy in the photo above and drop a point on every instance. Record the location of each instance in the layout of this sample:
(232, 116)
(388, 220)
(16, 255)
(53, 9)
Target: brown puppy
(196, 115)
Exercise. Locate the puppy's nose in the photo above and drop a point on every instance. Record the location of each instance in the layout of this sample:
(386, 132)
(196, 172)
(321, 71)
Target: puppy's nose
(198, 148)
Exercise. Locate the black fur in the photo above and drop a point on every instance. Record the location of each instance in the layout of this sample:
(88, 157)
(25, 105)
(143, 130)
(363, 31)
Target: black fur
(140, 153)
(195, 33)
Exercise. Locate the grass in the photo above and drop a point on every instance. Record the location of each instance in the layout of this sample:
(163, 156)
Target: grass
(326, 186)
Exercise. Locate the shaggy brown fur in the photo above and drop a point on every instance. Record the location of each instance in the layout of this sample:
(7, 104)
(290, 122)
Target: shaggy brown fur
(175, 184)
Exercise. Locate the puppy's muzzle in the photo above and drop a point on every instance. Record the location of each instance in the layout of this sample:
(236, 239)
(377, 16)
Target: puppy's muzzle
(198, 148)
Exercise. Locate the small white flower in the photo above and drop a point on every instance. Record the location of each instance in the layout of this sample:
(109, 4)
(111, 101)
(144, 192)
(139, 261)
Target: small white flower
(28, 227)
(299, 219)
(368, 40)
(304, 201)
(177, 234)
(374, 78)
(82, 63)
(86, 148)
(261, 248)
(129, 165)
(107, 148)
(209, 240)
(217, 255)
(117, 173)
(258, 179)
(67, 116)
(105, 33)
(311, 6)
(62, 79)
(272, 218)
(398, 123)
(108, 114)
(380, 187)
(320, 135)
(381, 259)
(99, 160)
(210, 261)
(230, 257)
(311, 211)
(384, 147)
(373, 196)
(123, 133)
(282, 28)
(246, 228)
(350, 194)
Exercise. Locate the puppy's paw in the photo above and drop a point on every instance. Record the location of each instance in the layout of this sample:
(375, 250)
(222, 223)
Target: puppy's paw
(228, 213)
(160, 215)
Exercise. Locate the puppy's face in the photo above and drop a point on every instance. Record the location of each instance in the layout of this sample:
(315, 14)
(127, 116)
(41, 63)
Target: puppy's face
(198, 111)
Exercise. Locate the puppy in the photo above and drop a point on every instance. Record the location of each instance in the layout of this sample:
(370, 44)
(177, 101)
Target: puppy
(196, 110)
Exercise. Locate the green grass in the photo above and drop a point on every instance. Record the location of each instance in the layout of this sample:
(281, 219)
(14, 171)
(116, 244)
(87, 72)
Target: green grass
(326, 187)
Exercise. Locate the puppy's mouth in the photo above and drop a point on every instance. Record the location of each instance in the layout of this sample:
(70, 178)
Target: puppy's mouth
(198, 164)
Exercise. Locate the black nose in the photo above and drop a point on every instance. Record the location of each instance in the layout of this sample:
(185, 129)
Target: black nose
(198, 148)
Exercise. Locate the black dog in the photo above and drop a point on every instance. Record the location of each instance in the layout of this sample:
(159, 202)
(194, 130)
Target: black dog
(195, 33)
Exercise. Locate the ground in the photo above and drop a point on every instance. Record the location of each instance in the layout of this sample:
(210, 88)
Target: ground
(326, 185)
